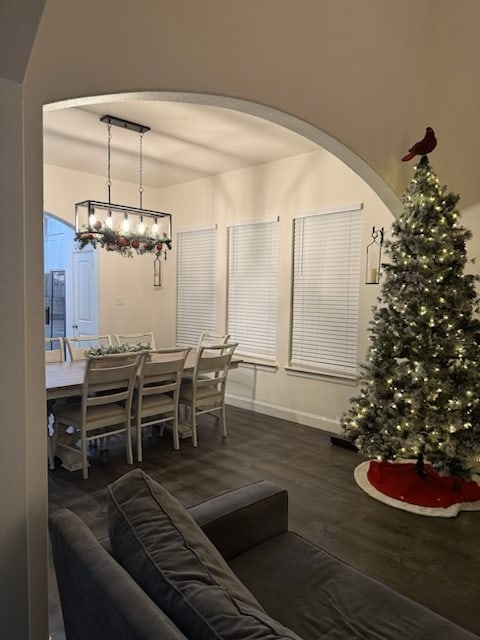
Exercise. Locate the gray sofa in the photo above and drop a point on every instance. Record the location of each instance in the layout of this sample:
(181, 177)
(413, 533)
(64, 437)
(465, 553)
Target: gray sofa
(227, 569)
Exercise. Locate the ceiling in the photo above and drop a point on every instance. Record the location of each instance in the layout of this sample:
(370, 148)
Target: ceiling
(186, 141)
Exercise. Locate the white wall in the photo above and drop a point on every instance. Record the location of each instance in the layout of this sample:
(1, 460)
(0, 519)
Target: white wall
(23, 447)
(284, 188)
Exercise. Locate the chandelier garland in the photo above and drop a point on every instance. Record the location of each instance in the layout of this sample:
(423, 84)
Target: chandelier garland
(109, 226)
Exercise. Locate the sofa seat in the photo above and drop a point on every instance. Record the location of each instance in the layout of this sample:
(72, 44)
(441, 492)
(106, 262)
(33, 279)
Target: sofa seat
(321, 598)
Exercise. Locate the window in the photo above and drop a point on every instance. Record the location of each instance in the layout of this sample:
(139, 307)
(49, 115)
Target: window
(196, 283)
(325, 296)
(252, 288)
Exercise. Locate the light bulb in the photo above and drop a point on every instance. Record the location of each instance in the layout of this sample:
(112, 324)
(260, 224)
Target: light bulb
(155, 228)
(141, 227)
(109, 222)
(125, 224)
(91, 219)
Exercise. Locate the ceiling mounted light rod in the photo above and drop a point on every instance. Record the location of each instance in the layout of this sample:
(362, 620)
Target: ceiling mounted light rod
(125, 124)
(119, 227)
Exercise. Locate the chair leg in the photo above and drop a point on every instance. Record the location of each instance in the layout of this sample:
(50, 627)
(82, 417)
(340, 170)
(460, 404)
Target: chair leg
(51, 443)
(224, 422)
(194, 425)
(176, 439)
(139, 443)
(128, 444)
(84, 455)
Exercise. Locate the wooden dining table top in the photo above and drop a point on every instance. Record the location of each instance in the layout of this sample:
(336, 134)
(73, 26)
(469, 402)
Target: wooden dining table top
(64, 379)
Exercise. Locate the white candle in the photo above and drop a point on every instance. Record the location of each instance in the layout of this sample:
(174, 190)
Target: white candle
(372, 276)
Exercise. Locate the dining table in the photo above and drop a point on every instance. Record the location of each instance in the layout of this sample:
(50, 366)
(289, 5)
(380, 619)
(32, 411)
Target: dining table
(64, 380)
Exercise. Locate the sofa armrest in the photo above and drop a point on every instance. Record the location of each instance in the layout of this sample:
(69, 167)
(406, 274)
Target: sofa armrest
(240, 519)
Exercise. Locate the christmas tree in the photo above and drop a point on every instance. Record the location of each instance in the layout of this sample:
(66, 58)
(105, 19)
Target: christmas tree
(420, 385)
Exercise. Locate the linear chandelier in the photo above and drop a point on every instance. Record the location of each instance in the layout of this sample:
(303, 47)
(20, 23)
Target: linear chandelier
(119, 227)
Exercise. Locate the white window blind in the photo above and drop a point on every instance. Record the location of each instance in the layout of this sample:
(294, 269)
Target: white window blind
(326, 278)
(252, 288)
(196, 284)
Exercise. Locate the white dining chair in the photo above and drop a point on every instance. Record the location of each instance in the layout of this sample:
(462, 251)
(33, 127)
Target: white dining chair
(209, 337)
(146, 338)
(54, 350)
(205, 392)
(106, 404)
(77, 345)
(157, 391)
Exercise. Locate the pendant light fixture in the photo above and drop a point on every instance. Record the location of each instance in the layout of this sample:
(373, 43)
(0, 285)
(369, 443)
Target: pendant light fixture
(118, 227)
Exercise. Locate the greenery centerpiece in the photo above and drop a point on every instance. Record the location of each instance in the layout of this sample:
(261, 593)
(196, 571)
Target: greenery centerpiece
(117, 348)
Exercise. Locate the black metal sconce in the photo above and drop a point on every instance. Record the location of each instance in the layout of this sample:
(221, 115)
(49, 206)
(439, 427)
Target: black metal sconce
(374, 256)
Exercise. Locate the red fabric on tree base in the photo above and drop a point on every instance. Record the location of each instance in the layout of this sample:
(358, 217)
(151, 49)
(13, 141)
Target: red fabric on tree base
(402, 482)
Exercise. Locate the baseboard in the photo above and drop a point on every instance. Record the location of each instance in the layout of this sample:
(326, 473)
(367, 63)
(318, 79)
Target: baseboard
(277, 411)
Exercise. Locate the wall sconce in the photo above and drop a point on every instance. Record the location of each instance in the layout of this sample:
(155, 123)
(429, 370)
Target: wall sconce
(374, 256)
(157, 272)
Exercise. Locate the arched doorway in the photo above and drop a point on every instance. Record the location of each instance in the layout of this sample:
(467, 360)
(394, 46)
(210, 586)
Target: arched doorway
(286, 120)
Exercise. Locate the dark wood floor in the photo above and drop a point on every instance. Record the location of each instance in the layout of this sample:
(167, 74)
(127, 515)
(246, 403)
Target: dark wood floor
(435, 561)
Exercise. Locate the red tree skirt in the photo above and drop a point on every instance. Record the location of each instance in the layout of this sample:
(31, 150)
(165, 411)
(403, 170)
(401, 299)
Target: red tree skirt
(399, 485)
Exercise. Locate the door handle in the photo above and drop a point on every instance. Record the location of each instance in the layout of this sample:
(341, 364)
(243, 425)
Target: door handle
(47, 315)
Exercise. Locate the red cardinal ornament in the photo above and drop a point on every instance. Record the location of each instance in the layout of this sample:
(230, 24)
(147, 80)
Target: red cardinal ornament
(422, 147)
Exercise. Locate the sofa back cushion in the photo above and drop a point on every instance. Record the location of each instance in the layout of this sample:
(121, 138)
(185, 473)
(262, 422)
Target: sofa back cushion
(99, 598)
(157, 541)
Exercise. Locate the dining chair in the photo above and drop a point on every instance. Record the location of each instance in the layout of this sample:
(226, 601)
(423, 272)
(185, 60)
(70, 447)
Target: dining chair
(208, 337)
(106, 404)
(205, 392)
(136, 338)
(77, 345)
(54, 350)
(157, 391)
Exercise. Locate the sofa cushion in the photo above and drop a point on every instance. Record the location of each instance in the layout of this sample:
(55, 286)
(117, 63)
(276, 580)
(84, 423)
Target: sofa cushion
(157, 541)
(99, 599)
(330, 600)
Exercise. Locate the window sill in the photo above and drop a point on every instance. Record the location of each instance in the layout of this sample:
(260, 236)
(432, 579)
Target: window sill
(327, 376)
(257, 363)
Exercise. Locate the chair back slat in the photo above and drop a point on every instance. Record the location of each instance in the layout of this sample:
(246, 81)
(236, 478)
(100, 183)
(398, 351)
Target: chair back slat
(145, 337)
(209, 337)
(213, 364)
